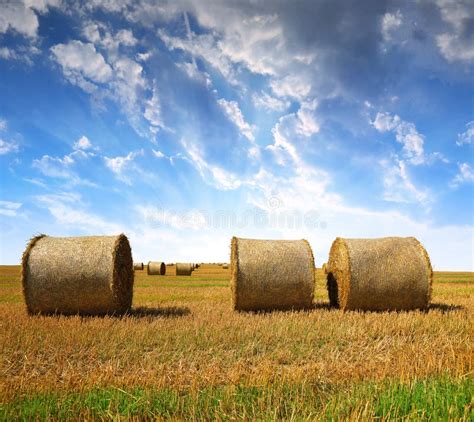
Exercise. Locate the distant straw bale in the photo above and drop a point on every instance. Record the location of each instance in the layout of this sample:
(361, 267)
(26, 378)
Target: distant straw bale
(271, 274)
(184, 268)
(138, 265)
(391, 273)
(156, 268)
(78, 275)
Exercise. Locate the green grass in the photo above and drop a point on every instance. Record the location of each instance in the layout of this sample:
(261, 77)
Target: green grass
(429, 399)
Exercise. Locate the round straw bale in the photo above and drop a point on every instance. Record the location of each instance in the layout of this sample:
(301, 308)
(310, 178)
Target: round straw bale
(138, 265)
(271, 274)
(390, 273)
(225, 266)
(324, 268)
(156, 268)
(96, 279)
(184, 269)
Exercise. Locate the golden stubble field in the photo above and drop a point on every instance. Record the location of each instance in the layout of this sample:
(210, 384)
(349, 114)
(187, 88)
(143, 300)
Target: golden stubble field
(183, 334)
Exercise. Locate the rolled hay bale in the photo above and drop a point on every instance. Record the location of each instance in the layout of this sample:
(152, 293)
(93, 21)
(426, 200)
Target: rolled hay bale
(90, 275)
(156, 268)
(184, 269)
(324, 268)
(390, 273)
(225, 266)
(271, 274)
(138, 265)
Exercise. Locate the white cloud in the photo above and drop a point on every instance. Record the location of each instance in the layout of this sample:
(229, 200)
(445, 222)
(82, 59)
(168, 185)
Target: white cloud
(83, 143)
(20, 18)
(234, 114)
(399, 187)
(82, 65)
(465, 175)
(63, 167)
(158, 154)
(3, 125)
(405, 133)
(458, 44)
(204, 46)
(9, 208)
(99, 34)
(214, 175)
(153, 111)
(390, 22)
(120, 165)
(55, 166)
(291, 86)
(306, 124)
(466, 137)
(266, 101)
(291, 129)
(191, 69)
(8, 146)
(67, 210)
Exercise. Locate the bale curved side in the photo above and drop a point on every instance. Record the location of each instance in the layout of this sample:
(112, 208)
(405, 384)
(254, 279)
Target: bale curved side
(271, 274)
(96, 279)
(184, 268)
(389, 273)
(138, 266)
(156, 268)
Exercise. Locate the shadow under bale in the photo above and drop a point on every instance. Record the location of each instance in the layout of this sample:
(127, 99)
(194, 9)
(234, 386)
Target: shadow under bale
(164, 312)
(445, 308)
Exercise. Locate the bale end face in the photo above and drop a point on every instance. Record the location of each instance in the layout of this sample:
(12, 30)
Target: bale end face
(381, 274)
(156, 268)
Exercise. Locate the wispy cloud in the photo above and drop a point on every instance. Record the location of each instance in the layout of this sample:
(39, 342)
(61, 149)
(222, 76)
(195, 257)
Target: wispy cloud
(9, 208)
(467, 137)
(465, 175)
(234, 114)
(121, 166)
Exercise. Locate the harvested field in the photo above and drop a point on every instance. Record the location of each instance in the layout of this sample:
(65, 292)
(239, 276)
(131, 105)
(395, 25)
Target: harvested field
(183, 353)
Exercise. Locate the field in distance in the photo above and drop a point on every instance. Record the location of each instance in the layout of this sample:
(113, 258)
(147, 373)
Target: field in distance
(184, 354)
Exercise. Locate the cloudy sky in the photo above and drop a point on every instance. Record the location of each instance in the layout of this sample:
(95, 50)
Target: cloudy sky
(184, 122)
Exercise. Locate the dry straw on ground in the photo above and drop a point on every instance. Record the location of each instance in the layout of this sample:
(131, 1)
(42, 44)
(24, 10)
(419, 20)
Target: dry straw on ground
(78, 275)
(391, 273)
(184, 269)
(156, 268)
(271, 274)
(138, 265)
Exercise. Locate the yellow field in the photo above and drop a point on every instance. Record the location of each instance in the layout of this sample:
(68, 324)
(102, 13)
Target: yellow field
(183, 335)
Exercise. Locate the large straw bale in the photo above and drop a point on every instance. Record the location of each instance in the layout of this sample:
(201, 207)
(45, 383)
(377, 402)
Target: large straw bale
(78, 275)
(156, 268)
(184, 268)
(138, 265)
(271, 274)
(391, 273)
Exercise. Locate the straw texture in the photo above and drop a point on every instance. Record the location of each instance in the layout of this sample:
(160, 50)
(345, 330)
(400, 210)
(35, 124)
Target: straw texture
(138, 265)
(156, 268)
(184, 269)
(391, 273)
(78, 275)
(271, 274)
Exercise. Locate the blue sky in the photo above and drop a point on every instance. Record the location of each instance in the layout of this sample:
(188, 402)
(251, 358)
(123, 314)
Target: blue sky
(183, 123)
